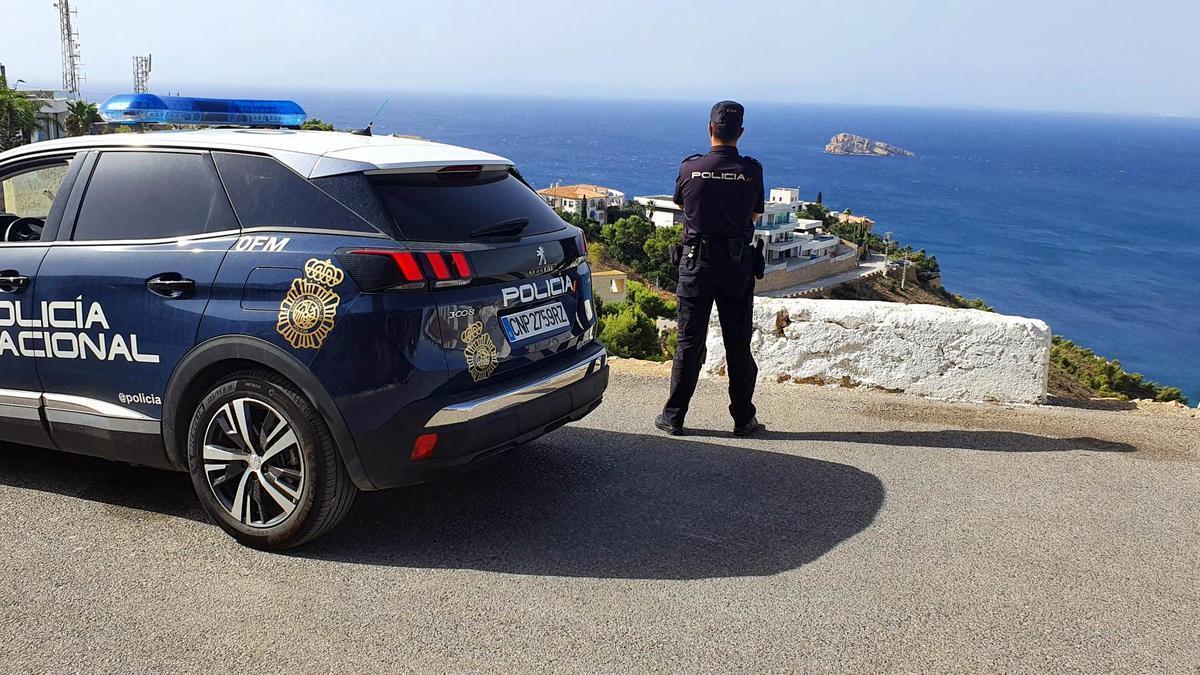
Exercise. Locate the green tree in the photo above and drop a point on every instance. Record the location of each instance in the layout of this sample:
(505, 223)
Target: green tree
(820, 197)
(626, 239)
(316, 124)
(18, 117)
(815, 211)
(657, 250)
(630, 334)
(81, 115)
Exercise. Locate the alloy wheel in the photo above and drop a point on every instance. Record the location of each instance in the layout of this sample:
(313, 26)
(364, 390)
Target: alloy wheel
(253, 463)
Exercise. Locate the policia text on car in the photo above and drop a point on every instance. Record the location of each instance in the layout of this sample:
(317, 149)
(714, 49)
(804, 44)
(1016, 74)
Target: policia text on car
(722, 195)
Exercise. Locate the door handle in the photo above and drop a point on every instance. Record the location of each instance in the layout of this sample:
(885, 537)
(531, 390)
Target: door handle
(12, 281)
(171, 285)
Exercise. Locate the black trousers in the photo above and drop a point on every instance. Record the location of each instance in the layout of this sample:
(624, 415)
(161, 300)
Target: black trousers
(735, 313)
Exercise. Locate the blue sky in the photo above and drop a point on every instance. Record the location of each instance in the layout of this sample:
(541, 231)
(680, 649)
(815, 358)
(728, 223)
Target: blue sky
(1071, 55)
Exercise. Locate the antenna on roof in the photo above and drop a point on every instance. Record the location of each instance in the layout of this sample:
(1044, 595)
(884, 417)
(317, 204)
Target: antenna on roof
(366, 131)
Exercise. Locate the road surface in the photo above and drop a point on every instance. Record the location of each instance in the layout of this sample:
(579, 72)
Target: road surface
(866, 532)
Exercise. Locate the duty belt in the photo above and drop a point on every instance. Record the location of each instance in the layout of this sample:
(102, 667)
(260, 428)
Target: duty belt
(735, 247)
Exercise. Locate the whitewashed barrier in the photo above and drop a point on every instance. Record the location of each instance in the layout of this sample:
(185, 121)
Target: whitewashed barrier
(924, 350)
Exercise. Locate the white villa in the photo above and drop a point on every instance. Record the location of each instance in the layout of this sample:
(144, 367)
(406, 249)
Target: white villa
(591, 200)
(663, 211)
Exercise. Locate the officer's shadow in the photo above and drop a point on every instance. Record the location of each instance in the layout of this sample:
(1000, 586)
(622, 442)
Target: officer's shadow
(959, 439)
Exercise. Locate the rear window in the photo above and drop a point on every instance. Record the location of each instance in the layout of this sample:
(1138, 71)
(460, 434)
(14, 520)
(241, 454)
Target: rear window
(266, 193)
(452, 206)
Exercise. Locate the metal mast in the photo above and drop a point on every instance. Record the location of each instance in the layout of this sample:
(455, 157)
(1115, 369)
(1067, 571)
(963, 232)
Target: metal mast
(141, 74)
(70, 48)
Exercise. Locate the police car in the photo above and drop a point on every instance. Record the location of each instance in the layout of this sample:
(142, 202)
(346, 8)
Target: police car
(289, 316)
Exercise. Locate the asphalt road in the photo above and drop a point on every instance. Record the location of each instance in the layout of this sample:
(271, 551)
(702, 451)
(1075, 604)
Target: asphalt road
(868, 531)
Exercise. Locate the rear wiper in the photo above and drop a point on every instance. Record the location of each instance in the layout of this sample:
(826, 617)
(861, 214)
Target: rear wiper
(507, 228)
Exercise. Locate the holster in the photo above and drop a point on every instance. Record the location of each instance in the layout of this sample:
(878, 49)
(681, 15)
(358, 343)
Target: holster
(760, 260)
(735, 248)
(676, 254)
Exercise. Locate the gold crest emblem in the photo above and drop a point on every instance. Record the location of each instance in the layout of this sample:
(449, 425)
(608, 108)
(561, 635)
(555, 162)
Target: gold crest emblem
(482, 357)
(307, 313)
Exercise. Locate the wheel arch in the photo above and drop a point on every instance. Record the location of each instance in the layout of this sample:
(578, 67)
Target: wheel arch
(213, 359)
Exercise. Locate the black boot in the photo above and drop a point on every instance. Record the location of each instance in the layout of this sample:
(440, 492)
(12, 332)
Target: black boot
(665, 425)
(749, 428)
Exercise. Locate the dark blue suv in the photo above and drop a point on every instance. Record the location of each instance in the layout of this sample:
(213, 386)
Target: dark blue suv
(290, 316)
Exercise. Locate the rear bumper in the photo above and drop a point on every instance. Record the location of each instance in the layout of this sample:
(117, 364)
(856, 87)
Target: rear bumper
(486, 425)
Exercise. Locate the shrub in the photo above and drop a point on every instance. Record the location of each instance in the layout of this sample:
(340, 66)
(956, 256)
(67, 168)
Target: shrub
(652, 304)
(668, 340)
(629, 333)
(1107, 378)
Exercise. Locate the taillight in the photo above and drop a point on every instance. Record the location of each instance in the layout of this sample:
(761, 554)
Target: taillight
(461, 264)
(581, 244)
(438, 264)
(442, 268)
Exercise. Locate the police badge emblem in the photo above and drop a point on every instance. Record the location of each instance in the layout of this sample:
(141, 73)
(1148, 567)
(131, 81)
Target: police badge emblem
(307, 313)
(482, 357)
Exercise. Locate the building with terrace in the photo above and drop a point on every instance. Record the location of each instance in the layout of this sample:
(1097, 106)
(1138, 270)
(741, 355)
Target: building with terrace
(593, 201)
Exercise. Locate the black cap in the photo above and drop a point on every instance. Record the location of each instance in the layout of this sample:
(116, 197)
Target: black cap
(727, 114)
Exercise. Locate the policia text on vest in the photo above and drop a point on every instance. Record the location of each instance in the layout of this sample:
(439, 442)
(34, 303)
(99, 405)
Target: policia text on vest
(722, 195)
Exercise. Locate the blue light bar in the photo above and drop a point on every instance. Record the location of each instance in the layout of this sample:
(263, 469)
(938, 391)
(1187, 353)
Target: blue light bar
(151, 109)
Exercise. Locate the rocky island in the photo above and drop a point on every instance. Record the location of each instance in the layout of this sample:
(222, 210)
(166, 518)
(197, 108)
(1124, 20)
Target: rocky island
(849, 144)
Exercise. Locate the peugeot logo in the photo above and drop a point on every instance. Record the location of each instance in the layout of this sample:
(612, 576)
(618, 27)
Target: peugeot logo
(541, 254)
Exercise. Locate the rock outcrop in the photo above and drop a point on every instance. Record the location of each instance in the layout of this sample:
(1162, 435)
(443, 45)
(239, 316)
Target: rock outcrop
(937, 352)
(849, 144)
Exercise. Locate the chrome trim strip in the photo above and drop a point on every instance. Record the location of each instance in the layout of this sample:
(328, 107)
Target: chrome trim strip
(223, 234)
(472, 410)
(90, 406)
(19, 412)
(126, 424)
(20, 399)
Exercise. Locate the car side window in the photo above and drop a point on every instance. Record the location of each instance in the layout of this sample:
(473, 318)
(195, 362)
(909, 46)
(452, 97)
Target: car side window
(153, 195)
(25, 201)
(266, 193)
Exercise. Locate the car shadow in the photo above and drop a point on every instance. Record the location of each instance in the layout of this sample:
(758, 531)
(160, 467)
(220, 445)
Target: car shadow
(578, 503)
(589, 503)
(99, 480)
(959, 439)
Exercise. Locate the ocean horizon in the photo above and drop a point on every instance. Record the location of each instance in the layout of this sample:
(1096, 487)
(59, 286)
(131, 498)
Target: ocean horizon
(1088, 221)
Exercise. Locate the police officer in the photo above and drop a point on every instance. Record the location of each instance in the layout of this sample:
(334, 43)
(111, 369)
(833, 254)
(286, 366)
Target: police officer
(722, 195)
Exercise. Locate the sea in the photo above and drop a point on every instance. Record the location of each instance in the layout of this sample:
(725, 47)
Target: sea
(1088, 222)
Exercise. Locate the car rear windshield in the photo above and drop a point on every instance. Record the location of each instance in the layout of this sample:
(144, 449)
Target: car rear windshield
(463, 206)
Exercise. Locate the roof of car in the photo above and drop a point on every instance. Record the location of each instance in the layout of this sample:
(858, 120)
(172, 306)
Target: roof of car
(309, 153)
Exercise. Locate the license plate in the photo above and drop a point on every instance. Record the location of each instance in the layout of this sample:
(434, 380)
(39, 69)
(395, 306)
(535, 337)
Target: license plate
(533, 322)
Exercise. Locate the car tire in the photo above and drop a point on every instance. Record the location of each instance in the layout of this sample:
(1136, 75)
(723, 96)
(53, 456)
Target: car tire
(264, 463)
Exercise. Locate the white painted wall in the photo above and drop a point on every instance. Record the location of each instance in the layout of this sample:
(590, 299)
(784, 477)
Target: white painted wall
(937, 352)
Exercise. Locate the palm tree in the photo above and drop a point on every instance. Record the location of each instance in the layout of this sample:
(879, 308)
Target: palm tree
(81, 115)
(18, 117)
